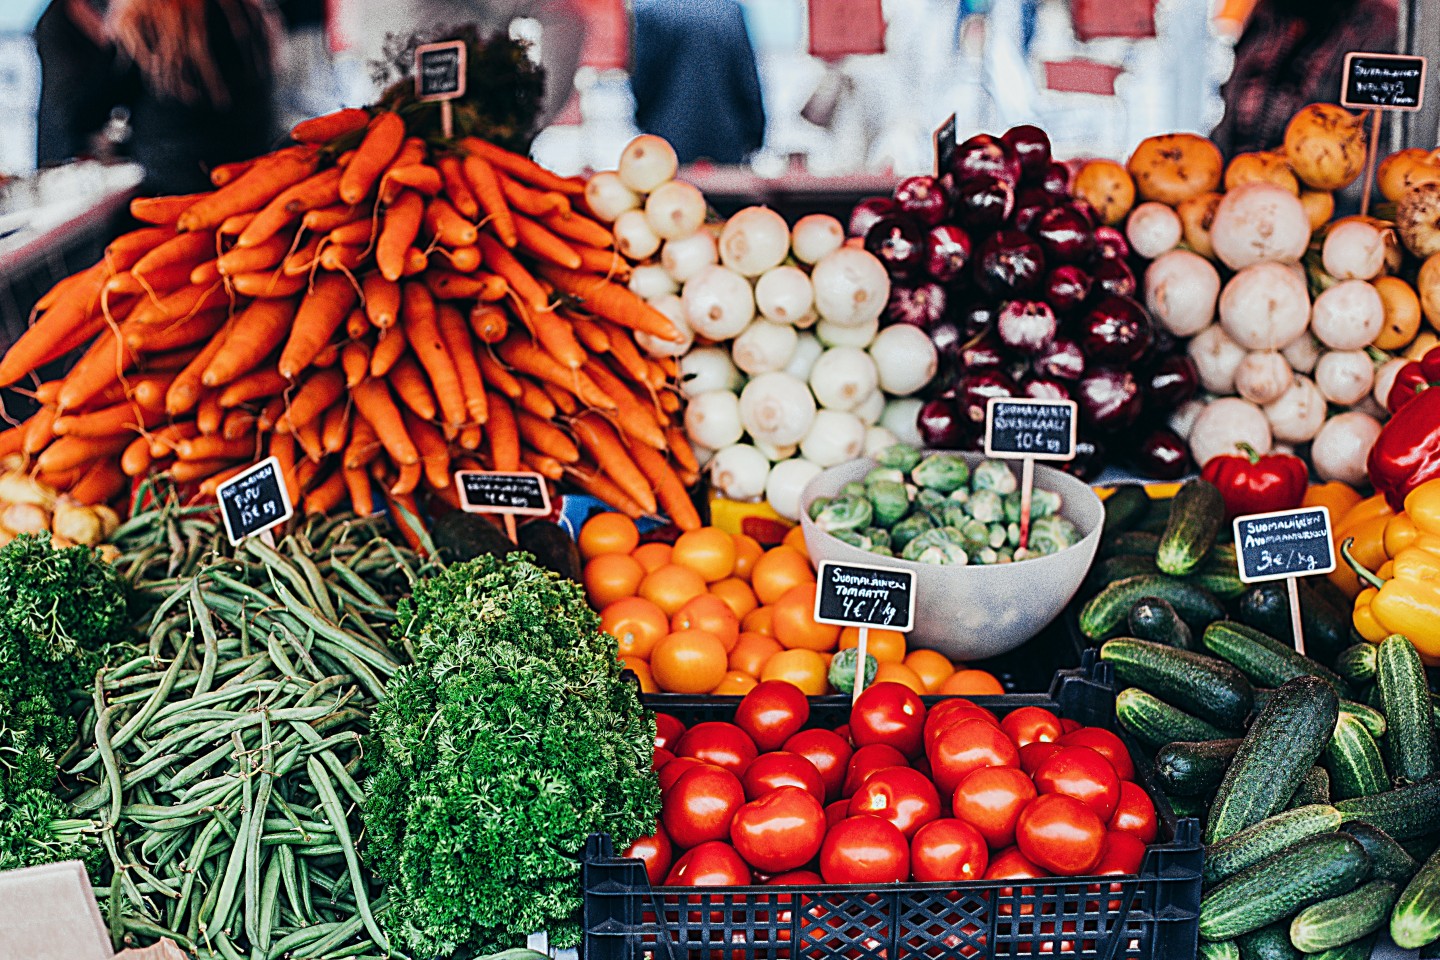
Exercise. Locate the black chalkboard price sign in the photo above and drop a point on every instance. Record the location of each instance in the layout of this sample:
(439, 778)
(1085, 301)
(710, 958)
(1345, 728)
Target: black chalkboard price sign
(854, 596)
(254, 501)
(1038, 429)
(440, 70)
(482, 491)
(945, 146)
(1288, 543)
(1383, 81)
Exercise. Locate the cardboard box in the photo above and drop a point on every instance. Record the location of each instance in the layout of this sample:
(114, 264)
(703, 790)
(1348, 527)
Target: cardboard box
(49, 913)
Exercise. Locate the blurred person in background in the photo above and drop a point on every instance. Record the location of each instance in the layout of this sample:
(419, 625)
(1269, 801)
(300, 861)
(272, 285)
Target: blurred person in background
(1290, 54)
(695, 80)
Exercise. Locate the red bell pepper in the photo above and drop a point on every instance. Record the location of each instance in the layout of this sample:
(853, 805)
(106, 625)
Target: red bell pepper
(1407, 452)
(1410, 380)
(1251, 483)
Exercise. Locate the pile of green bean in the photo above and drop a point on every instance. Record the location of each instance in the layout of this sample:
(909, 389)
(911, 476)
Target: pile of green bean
(224, 761)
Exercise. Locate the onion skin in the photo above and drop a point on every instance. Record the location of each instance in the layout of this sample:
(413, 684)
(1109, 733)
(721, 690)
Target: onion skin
(1258, 223)
(1265, 307)
(1342, 447)
(1224, 423)
(1181, 290)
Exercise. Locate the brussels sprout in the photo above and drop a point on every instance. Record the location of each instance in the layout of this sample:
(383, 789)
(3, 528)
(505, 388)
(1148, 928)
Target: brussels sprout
(1006, 554)
(929, 500)
(1012, 535)
(1044, 503)
(908, 529)
(960, 495)
(881, 550)
(844, 513)
(1012, 507)
(853, 489)
(942, 545)
(976, 530)
(986, 506)
(816, 505)
(899, 456)
(954, 515)
(1052, 534)
(987, 555)
(998, 535)
(884, 473)
(879, 536)
(855, 539)
(941, 471)
(994, 475)
(842, 670)
(888, 502)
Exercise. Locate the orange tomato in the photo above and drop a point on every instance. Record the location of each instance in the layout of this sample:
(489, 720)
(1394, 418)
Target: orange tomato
(708, 551)
(1338, 496)
(760, 620)
(971, 683)
(641, 669)
(734, 684)
(607, 533)
(610, 577)
(691, 661)
(931, 666)
(737, 595)
(671, 587)
(711, 614)
(652, 556)
(795, 539)
(795, 624)
(777, 571)
(899, 673)
(804, 668)
(752, 651)
(747, 551)
(886, 646)
(636, 624)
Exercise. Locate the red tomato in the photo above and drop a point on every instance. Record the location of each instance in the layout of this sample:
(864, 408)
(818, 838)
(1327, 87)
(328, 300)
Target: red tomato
(662, 757)
(1123, 855)
(865, 850)
(770, 771)
(722, 744)
(772, 712)
(903, 796)
(1034, 754)
(780, 831)
(657, 852)
(1011, 864)
(948, 850)
(795, 878)
(700, 805)
(673, 770)
(950, 711)
(1105, 743)
(829, 752)
(969, 745)
(866, 760)
(1135, 813)
(990, 800)
(889, 713)
(1060, 834)
(835, 812)
(668, 731)
(1031, 725)
(711, 864)
(1070, 726)
(843, 732)
(1081, 773)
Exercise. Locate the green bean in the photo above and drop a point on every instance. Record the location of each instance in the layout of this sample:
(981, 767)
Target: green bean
(357, 583)
(220, 917)
(166, 718)
(194, 769)
(191, 865)
(299, 938)
(207, 632)
(126, 670)
(160, 886)
(112, 766)
(226, 948)
(279, 657)
(351, 788)
(316, 674)
(339, 935)
(302, 875)
(167, 683)
(276, 564)
(98, 795)
(322, 687)
(259, 663)
(318, 585)
(331, 804)
(252, 852)
(373, 686)
(153, 931)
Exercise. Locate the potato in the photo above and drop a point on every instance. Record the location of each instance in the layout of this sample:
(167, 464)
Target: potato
(1106, 186)
(1325, 145)
(1174, 167)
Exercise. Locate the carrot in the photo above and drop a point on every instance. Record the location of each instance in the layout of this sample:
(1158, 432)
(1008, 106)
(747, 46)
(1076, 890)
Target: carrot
(269, 286)
(38, 431)
(251, 335)
(320, 314)
(500, 260)
(162, 441)
(356, 233)
(356, 325)
(184, 392)
(607, 263)
(282, 448)
(681, 450)
(328, 356)
(307, 435)
(250, 259)
(233, 226)
(363, 447)
(206, 273)
(305, 472)
(521, 168)
(238, 423)
(136, 458)
(611, 301)
(254, 188)
(448, 226)
(536, 240)
(182, 303)
(456, 336)
(533, 203)
(597, 436)
(434, 454)
(388, 349)
(489, 323)
(548, 467)
(304, 258)
(382, 299)
(99, 367)
(456, 189)
(227, 172)
(373, 401)
(328, 218)
(422, 330)
(330, 126)
(327, 496)
(121, 254)
(335, 428)
(401, 227)
(67, 453)
(407, 521)
(534, 361)
(504, 435)
(163, 210)
(668, 488)
(470, 435)
(415, 176)
(183, 248)
(449, 285)
(497, 376)
(312, 399)
(215, 448)
(591, 334)
(636, 420)
(209, 416)
(533, 399)
(357, 484)
(355, 362)
(256, 385)
(412, 151)
(383, 136)
(589, 478)
(485, 185)
(336, 257)
(315, 192)
(463, 259)
(579, 228)
(195, 471)
(416, 260)
(107, 421)
(158, 282)
(273, 410)
(40, 344)
(669, 403)
(101, 483)
(546, 437)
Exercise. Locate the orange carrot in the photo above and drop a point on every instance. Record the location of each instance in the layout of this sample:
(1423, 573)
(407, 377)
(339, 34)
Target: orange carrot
(249, 259)
(563, 399)
(597, 436)
(238, 423)
(668, 488)
(415, 176)
(46, 393)
(534, 400)
(38, 431)
(591, 334)
(416, 260)
(163, 210)
(521, 168)
(536, 240)
(273, 410)
(463, 259)
(589, 478)
(382, 300)
(256, 385)
(546, 437)
(357, 484)
(448, 226)
(636, 420)
(389, 348)
(373, 401)
(282, 448)
(323, 129)
(162, 441)
(206, 273)
(548, 467)
(322, 311)
(489, 323)
(504, 435)
(100, 366)
(383, 136)
(327, 496)
(581, 229)
(356, 325)
(250, 337)
(254, 188)
(184, 392)
(307, 435)
(422, 330)
(235, 225)
(194, 471)
(611, 301)
(356, 233)
(355, 361)
(101, 483)
(268, 286)
(157, 283)
(456, 189)
(607, 263)
(227, 172)
(496, 375)
(107, 421)
(449, 285)
(530, 359)
(312, 399)
(681, 450)
(335, 428)
(328, 356)
(315, 192)
(401, 227)
(363, 447)
(302, 261)
(434, 454)
(500, 260)
(38, 345)
(461, 351)
(210, 484)
(470, 435)
(121, 254)
(136, 458)
(328, 218)
(215, 447)
(183, 303)
(533, 203)
(67, 453)
(485, 185)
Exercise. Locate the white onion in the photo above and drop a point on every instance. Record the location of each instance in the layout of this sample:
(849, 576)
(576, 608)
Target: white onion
(674, 310)
(842, 377)
(851, 287)
(684, 258)
(1263, 377)
(764, 346)
(1299, 414)
(1259, 222)
(1181, 289)
(718, 303)
(836, 336)
(1303, 353)
(1345, 377)
(1353, 250)
(901, 417)
(1183, 419)
(1216, 358)
(807, 350)
(676, 209)
(834, 437)
(646, 162)
(787, 481)
(906, 358)
(773, 453)
(739, 472)
(1348, 316)
(649, 281)
(1385, 380)
(607, 197)
(877, 439)
(754, 240)
(633, 236)
(703, 455)
(1266, 306)
(713, 419)
(784, 294)
(1153, 229)
(870, 409)
(816, 235)
(777, 408)
(1223, 424)
(707, 368)
(807, 321)
(1342, 447)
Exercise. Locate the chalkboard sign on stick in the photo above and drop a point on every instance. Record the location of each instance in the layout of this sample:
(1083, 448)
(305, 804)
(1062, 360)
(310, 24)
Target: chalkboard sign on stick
(853, 596)
(1022, 427)
(1383, 81)
(482, 491)
(1288, 543)
(440, 70)
(254, 501)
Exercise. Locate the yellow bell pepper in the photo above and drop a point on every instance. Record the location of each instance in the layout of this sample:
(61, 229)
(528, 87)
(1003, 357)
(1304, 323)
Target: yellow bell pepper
(1340, 497)
(1404, 597)
(1364, 618)
(1365, 523)
(1400, 532)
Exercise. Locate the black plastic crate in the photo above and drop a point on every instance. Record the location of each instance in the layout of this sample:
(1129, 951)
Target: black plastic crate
(1152, 915)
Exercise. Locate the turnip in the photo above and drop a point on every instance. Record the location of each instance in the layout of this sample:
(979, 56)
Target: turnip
(842, 377)
(1259, 223)
(650, 281)
(870, 409)
(684, 258)
(1182, 421)
(647, 162)
(754, 240)
(674, 310)
(807, 351)
(1263, 377)
(676, 209)
(1223, 424)
(1385, 379)
(707, 368)
(1418, 219)
(851, 287)
(1354, 250)
(1299, 414)
(1303, 353)
(773, 453)
(1345, 377)
(834, 437)
(777, 408)
(905, 357)
(784, 294)
(1342, 446)
(816, 235)
(1181, 289)
(712, 419)
(764, 346)
(718, 303)
(787, 481)
(1325, 144)
(1265, 307)
(879, 438)
(739, 472)
(837, 336)
(1153, 229)
(1216, 357)
(634, 237)
(1348, 316)
(607, 197)
(901, 417)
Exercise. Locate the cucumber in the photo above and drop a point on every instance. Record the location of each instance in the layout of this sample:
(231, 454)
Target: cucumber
(1411, 736)
(1388, 860)
(1204, 686)
(1307, 872)
(1373, 720)
(1314, 788)
(1130, 543)
(1223, 950)
(1356, 663)
(1421, 847)
(1267, 943)
(1225, 586)
(1353, 759)
(1109, 570)
(1157, 516)
(1124, 508)
(1344, 919)
(1266, 606)
(1405, 812)
(1416, 920)
(1107, 610)
(1355, 950)
(1282, 743)
(1196, 515)
(1155, 723)
(1189, 769)
(1189, 806)
(1155, 620)
(1267, 838)
(1262, 658)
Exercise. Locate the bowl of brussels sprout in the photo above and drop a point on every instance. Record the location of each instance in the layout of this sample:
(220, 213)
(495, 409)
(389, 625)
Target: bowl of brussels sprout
(953, 519)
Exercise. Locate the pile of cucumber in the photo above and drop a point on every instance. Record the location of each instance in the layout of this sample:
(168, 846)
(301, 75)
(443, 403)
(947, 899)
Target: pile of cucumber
(1319, 788)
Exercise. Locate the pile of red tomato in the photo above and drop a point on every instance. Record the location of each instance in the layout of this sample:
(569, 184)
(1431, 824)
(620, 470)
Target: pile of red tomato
(899, 793)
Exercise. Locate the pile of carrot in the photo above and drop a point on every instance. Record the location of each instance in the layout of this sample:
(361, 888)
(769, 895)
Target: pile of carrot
(372, 310)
